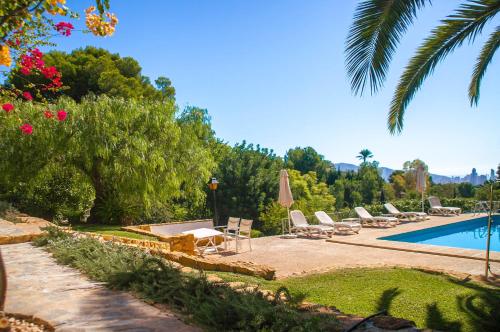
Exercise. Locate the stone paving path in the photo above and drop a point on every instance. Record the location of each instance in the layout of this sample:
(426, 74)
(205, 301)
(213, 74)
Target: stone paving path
(38, 286)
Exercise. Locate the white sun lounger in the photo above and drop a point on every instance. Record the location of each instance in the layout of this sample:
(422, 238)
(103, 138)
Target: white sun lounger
(341, 227)
(301, 226)
(379, 221)
(437, 209)
(394, 212)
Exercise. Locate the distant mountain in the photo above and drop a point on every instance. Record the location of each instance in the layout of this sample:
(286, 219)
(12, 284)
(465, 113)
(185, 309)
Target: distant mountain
(386, 172)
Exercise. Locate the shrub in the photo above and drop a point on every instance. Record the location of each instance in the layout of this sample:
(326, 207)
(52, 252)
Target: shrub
(214, 306)
(466, 204)
(8, 212)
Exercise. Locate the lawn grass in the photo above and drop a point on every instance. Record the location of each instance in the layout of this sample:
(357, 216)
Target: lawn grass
(430, 300)
(109, 230)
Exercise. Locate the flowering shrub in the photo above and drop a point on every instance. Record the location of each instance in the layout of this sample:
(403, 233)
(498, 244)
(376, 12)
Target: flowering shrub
(64, 28)
(98, 25)
(28, 27)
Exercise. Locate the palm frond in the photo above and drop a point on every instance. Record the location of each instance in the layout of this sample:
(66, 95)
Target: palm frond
(465, 24)
(482, 62)
(377, 28)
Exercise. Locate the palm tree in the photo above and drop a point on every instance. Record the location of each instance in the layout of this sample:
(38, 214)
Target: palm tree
(377, 29)
(364, 155)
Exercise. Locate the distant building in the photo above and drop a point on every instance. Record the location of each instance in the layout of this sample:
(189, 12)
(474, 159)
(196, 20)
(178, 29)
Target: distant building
(473, 177)
(492, 175)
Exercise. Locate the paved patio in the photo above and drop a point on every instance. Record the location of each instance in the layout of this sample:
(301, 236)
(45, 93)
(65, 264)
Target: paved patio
(303, 255)
(38, 286)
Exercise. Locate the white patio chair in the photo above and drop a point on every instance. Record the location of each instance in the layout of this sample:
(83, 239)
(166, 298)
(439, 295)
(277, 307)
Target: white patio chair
(341, 227)
(231, 231)
(379, 221)
(411, 216)
(437, 209)
(244, 232)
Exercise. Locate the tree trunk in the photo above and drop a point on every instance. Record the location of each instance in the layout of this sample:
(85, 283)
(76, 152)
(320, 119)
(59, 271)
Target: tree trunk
(96, 179)
(3, 283)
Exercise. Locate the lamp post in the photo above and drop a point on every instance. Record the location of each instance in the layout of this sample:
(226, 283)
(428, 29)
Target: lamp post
(488, 237)
(213, 187)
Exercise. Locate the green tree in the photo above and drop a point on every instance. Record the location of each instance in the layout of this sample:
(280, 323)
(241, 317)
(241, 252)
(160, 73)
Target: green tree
(136, 155)
(309, 195)
(377, 29)
(465, 189)
(308, 160)
(164, 84)
(364, 155)
(96, 71)
(398, 182)
(370, 182)
(248, 178)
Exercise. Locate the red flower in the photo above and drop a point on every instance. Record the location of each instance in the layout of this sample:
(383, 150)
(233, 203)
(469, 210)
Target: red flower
(7, 107)
(35, 53)
(27, 129)
(25, 71)
(48, 114)
(64, 28)
(27, 95)
(61, 115)
(49, 72)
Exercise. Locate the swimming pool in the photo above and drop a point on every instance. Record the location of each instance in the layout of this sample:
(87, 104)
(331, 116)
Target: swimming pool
(469, 234)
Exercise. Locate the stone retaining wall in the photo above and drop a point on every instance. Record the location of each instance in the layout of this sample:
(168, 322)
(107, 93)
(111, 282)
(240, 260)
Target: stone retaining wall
(13, 239)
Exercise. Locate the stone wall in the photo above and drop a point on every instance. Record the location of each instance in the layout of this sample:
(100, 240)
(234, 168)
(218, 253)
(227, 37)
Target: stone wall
(180, 242)
(13, 239)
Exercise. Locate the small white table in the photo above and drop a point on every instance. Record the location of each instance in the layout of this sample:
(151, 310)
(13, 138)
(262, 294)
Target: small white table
(204, 234)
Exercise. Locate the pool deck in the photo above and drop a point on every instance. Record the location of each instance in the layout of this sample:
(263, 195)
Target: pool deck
(304, 255)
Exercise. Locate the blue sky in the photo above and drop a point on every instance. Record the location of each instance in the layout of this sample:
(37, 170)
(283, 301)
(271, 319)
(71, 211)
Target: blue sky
(272, 72)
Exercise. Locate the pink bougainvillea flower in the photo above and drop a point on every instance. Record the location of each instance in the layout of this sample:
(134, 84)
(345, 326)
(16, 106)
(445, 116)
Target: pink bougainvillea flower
(64, 28)
(27, 129)
(61, 115)
(27, 95)
(48, 114)
(7, 107)
(25, 71)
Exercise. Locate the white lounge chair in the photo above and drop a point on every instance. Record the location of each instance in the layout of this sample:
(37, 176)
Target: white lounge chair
(379, 221)
(301, 226)
(437, 209)
(341, 227)
(411, 216)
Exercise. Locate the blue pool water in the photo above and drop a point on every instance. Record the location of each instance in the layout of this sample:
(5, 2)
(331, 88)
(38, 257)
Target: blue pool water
(469, 234)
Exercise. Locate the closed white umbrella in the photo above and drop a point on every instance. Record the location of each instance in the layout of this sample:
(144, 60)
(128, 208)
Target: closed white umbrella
(421, 182)
(285, 197)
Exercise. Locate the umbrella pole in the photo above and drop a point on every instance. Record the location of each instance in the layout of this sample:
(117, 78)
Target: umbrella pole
(288, 214)
(422, 201)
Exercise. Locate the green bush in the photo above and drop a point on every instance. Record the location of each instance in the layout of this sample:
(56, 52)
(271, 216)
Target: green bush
(466, 204)
(213, 306)
(256, 233)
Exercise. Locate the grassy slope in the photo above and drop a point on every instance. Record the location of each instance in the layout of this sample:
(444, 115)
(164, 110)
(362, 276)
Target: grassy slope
(109, 230)
(431, 300)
